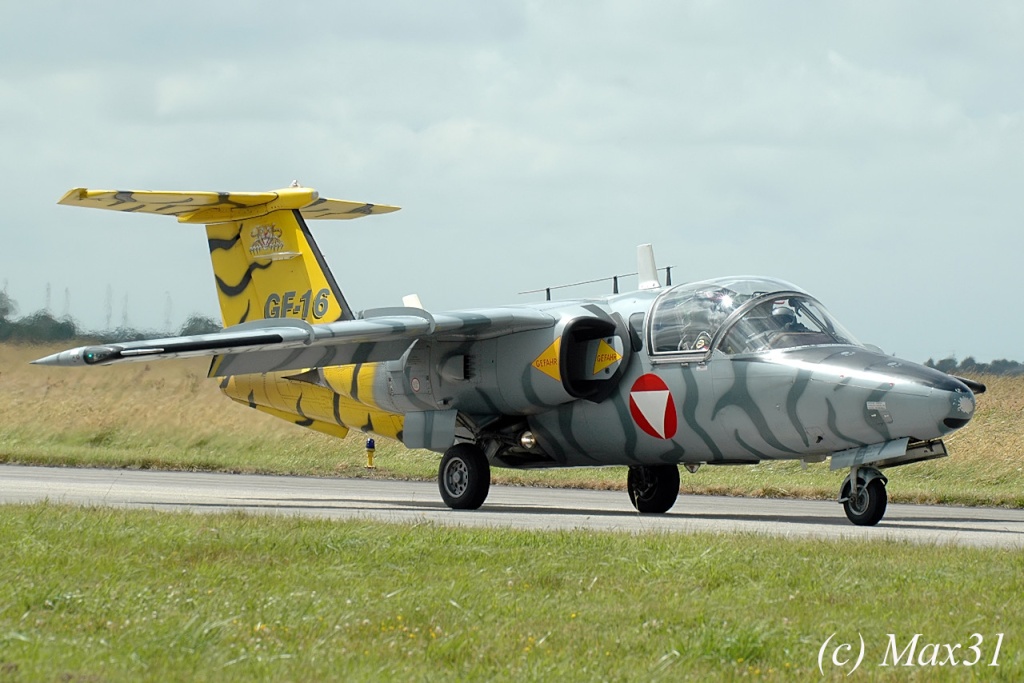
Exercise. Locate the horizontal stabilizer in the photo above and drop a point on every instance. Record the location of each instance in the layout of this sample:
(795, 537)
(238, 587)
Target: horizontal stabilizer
(221, 207)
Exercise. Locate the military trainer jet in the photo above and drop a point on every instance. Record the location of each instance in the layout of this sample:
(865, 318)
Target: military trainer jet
(728, 371)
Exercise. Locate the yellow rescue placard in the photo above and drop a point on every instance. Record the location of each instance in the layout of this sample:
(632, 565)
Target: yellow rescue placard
(606, 357)
(548, 362)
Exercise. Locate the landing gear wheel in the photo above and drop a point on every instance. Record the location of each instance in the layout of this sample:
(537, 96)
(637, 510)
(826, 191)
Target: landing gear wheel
(867, 507)
(653, 488)
(464, 477)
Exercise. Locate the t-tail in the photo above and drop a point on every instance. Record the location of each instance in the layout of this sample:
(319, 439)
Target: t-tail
(270, 267)
(265, 261)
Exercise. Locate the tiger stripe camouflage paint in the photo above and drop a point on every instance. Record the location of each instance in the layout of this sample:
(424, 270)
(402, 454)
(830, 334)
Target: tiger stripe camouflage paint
(803, 402)
(731, 409)
(325, 406)
(268, 267)
(575, 376)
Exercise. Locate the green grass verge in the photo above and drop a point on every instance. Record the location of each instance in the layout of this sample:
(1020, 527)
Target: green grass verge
(109, 595)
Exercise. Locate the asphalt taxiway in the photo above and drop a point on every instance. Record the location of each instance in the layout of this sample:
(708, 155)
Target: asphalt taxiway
(512, 507)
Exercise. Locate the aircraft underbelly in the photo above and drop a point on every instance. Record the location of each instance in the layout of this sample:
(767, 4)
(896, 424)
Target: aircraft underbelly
(327, 407)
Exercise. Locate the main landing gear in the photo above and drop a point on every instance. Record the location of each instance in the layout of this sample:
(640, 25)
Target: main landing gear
(864, 503)
(653, 488)
(464, 477)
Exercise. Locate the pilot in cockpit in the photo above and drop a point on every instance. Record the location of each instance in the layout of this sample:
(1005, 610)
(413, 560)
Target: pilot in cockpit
(785, 319)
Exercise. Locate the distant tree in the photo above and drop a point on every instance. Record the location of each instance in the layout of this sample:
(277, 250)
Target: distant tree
(42, 327)
(120, 334)
(199, 324)
(129, 334)
(970, 365)
(1006, 367)
(7, 306)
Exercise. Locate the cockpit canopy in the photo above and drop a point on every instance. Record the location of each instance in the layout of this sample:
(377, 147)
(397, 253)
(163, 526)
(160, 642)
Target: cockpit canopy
(740, 315)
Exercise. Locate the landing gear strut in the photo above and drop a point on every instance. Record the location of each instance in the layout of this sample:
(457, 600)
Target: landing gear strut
(653, 488)
(864, 504)
(464, 477)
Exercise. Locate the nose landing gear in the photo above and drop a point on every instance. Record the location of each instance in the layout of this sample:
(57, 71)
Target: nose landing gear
(863, 496)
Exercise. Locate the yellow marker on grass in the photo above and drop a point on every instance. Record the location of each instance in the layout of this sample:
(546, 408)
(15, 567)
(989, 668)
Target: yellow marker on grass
(370, 447)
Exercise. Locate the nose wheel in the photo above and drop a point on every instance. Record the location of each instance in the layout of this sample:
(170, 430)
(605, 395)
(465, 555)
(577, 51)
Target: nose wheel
(864, 503)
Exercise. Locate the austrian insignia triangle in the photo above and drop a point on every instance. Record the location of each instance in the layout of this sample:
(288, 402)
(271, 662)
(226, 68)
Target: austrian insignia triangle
(652, 407)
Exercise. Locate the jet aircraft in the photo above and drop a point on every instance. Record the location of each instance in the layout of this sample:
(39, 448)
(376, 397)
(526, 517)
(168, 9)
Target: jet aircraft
(727, 371)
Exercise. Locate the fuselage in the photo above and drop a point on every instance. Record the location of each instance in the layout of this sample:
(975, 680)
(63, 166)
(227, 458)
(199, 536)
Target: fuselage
(797, 403)
(701, 373)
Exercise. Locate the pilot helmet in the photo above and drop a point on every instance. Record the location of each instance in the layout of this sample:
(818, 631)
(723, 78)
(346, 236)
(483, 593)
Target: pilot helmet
(783, 315)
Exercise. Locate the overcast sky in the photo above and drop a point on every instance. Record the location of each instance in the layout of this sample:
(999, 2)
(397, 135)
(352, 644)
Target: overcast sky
(871, 152)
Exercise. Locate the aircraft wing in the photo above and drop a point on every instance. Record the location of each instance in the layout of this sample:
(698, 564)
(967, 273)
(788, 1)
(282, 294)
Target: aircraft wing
(289, 344)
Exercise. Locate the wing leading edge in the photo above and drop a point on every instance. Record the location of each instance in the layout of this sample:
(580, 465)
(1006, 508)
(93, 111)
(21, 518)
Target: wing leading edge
(290, 344)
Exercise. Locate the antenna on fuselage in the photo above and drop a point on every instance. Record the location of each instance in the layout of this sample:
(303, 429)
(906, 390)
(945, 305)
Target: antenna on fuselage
(647, 273)
(647, 270)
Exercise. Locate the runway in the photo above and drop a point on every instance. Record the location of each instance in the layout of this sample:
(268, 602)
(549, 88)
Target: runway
(512, 507)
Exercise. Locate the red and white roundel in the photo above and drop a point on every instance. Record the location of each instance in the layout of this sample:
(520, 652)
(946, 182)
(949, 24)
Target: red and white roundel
(652, 407)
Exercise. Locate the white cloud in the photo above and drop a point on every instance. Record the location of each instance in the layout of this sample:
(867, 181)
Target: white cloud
(869, 151)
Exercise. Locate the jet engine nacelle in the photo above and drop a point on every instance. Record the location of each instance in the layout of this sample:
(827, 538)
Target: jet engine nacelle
(580, 357)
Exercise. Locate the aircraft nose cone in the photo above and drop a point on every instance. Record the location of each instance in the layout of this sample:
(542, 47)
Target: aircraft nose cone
(949, 402)
(954, 404)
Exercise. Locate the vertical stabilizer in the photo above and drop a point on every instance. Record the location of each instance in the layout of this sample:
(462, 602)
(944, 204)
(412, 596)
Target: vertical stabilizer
(647, 271)
(270, 267)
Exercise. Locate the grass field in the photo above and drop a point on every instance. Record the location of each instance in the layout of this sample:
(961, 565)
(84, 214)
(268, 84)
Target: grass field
(168, 415)
(110, 595)
(107, 595)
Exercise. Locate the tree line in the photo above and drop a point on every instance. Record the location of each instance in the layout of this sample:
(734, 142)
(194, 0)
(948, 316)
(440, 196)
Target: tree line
(972, 367)
(42, 327)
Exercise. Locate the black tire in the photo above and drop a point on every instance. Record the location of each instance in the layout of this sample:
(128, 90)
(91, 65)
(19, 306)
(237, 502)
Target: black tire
(653, 488)
(869, 506)
(464, 477)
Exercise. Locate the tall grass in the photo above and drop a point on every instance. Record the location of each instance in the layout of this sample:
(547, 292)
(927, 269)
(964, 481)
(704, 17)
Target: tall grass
(169, 415)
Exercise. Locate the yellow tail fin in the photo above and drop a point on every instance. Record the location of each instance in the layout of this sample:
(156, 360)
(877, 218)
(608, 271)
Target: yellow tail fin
(265, 262)
(270, 267)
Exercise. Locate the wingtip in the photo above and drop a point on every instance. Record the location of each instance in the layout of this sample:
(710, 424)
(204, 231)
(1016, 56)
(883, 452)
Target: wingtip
(72, 196)
(68, 358)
